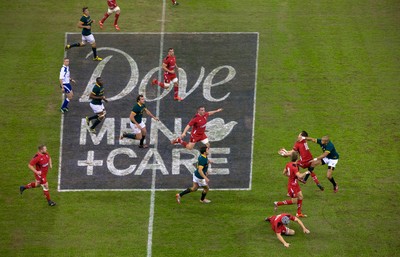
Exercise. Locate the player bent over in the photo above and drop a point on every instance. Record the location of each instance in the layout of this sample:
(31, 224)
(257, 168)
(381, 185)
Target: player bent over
(200, 178)
(39, 165)
(279, 223)
(292, 171)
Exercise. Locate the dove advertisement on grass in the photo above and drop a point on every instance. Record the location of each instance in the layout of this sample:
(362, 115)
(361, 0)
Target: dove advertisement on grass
(215, 70)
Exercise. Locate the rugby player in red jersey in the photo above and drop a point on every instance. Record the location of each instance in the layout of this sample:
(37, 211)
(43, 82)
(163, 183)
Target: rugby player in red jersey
(306, 157)
(292, 171)
(198, 124)
(112, 8)
(169, 65)
(39, 165)
(279, 223)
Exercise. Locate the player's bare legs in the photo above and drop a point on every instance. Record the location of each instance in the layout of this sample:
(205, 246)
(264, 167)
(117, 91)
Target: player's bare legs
(70, 95)
(190, 146)
(139, 136)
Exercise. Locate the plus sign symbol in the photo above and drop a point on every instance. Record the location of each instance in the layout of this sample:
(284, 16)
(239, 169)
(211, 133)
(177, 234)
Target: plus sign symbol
(90, 163)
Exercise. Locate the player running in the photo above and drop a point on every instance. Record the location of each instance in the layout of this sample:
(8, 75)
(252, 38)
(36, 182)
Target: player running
(40, 165)
(292, 171)
(137, 124)
(169, 65)
(198, 124)
(97, 96)
(85, 23)
(112, 8)
(200, 178)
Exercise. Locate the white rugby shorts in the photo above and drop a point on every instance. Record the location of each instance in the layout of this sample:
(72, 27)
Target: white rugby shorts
(97, 108)
(88, 39)
(199, 181)
(330, 162)
(135, 128)
(110, 11)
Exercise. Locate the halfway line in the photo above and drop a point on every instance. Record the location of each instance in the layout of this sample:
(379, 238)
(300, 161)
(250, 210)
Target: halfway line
(153, 178)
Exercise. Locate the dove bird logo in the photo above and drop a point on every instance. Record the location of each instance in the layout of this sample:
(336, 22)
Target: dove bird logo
(217, 130)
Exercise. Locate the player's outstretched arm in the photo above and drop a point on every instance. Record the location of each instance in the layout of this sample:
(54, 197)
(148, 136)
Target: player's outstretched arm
(185, 131)
(285, 153)
(311, 139)
(151, 115)
(280, 237)
(215, 111)
(305, 230)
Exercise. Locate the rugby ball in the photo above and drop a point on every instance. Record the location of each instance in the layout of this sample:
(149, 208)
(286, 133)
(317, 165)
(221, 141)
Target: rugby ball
(283, 152)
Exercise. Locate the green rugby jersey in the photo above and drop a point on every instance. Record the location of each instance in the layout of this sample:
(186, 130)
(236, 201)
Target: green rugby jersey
(138, 109)
(97, 91)
(201, 161)
(329, 147)
(87, 21)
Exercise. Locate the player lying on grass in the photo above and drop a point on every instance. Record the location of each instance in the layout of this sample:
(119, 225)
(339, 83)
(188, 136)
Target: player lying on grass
(279, 223)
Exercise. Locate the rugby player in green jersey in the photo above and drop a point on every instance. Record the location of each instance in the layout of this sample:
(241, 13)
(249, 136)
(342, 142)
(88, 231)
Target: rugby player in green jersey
(85, 23)
(137, 124)
(97, 96)
(329, 156)
(200, 178)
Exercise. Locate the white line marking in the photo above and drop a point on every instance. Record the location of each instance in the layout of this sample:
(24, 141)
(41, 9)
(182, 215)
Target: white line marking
(144, 190)
(61, 131)
(254, 113)
(153, 178)
(165, 33)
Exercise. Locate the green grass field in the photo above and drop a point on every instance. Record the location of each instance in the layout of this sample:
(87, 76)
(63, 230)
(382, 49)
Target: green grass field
(328, 67)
